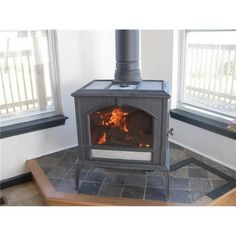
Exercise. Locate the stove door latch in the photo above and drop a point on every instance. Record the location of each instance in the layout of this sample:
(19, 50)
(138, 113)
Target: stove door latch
(170, 132)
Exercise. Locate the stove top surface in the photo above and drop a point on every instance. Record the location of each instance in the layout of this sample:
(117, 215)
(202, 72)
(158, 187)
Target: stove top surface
(109, 87)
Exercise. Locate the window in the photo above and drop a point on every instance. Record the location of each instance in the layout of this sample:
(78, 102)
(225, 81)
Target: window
(208, 72)
(28, 76)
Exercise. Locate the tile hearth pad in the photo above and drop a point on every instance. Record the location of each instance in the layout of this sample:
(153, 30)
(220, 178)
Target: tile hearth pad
(192, 176)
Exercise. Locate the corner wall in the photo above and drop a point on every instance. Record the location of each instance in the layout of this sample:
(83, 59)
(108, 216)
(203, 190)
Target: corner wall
(83, 56)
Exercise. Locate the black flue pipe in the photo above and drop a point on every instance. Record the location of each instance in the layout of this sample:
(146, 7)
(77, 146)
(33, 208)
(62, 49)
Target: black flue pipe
(127, 57)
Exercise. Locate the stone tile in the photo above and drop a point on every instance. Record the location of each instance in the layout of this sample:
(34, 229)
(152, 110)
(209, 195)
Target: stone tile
(196, 195)
(114, 179)
(218, 183)
(155, 194)
(177, 155)
(89, 188)
(93, 176)
(179, 183)
(201, 185)
(55, 182)
(133, 192)
(83, 174)
(135, 180)
(180, 173)
(46, 169)
(73, 149)
(57, 173)
(231, 173)
(71, 173)
(47, 162)
(213, 176)
(156, 181)
(112, 190)
(65, 162)
(193, 165)
(66, 186)
(180, 196)
(190, 154)
(197, 173)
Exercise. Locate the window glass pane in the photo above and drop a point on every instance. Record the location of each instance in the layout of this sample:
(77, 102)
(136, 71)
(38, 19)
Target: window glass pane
(25, 76)
(210, 71)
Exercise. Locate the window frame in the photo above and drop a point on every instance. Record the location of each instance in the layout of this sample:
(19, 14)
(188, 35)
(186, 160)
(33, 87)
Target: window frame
(54, 75)
(208, 113)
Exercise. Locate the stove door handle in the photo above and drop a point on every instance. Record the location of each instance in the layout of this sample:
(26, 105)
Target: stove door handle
(170, 131)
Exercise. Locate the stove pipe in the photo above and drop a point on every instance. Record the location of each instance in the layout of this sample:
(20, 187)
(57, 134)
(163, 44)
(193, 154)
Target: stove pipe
(127, 57)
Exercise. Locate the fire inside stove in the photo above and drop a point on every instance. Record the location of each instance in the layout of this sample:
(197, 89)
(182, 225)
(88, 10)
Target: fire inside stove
(121, 126)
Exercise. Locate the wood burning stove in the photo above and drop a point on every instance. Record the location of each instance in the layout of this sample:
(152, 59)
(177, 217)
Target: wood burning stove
(123, 123)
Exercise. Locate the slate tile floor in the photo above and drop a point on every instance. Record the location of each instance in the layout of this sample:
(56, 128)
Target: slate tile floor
(187, 184)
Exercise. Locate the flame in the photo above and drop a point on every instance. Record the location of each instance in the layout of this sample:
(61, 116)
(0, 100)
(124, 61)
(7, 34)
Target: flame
(143, 145)
(115, 119)
(118, 119)
(103, 138)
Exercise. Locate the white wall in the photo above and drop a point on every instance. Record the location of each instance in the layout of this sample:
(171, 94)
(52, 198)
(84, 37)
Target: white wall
(157, 54)
(83, 56)
(88, 55)
(157, 63)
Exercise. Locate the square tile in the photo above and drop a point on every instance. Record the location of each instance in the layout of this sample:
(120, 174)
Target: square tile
(197, 173)
(231, 173)
(57, 173)
(67, 186)
(196, 195)
(65, 162)
(112, 190)
(156, 181)
(47, 162)
(180, 173)
(114, 179)
(46, 170)
(176, 156)
(180, 196)
(218, 183)
(133, 192)
(213, 176)
(93, 176)
(135, 180)
(179, 183)
(55, 182)
(201, 185)
(155, 194)
(89, 188)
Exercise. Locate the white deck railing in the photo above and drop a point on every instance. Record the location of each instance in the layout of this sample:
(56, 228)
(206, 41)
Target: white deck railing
(21, 87)
(211, 77)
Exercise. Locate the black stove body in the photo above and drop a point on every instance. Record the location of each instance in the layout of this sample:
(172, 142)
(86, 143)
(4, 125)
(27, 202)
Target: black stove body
(123, 123)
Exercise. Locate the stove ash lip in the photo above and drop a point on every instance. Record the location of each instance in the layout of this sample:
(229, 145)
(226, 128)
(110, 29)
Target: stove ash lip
(127, 57)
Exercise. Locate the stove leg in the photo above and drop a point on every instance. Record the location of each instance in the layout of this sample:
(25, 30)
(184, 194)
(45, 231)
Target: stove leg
(167, 184)
(77, 176)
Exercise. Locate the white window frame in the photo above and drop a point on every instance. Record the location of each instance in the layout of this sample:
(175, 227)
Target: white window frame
(181, 84)
(54, 75)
